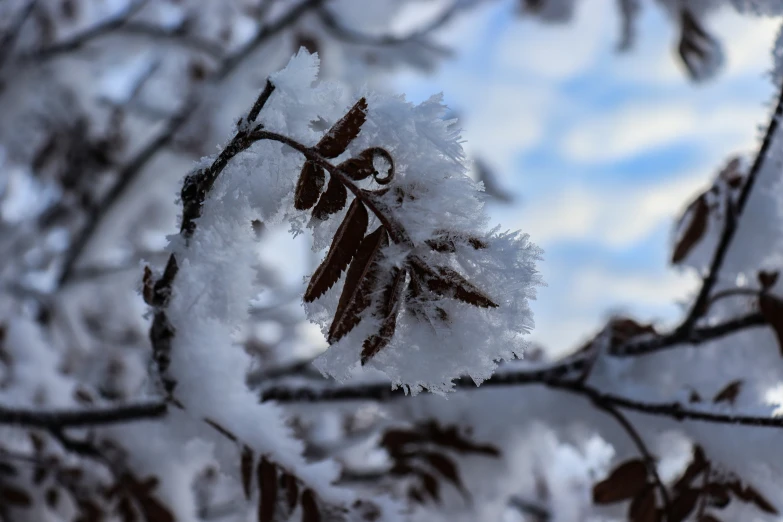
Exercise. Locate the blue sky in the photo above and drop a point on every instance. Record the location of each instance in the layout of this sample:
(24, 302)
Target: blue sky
(603, 150)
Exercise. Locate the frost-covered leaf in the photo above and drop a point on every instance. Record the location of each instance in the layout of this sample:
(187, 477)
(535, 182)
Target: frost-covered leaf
(359, 283)
(309, 186)
(388, 309)
(342, 133)
(332, 200)
(448, 282)
(628, 480)
(344, 245)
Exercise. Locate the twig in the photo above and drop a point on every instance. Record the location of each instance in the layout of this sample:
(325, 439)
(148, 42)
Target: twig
(649, 460)
(539, 513)
(125, 178)
(80, 39)
(699, 305)
(9, 39)
(346, 34)
(60, 419)
(694, 338)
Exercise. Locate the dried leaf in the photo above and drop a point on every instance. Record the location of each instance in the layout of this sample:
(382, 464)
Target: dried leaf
(729, 393)
(359, 284)
(267, 481)
(446, 467)
(360, 167)
(291, 490)
(772, 310)
(148, 286)
(246, 468)
(642, 507)
(310, 511)
(14, 496)
(309, 186)
(717, 495)
(767, 279)
(388, 309)
(342, 133)
(344, 245)
(153, 509)
(697, 212)
(626, 481)
(448, 282)
(694, 469)
(682, 505)
(749, 494)
(431, 485)
(332, 200)
(698, 49)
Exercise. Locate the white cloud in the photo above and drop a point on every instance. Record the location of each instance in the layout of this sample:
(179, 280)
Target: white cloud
(640, 127)
(611, 216)
(597, 284)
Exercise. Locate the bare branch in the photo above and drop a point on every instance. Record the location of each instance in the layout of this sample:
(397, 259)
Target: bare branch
(60, 419)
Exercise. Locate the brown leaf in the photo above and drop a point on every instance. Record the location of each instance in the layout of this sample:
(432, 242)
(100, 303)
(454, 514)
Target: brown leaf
(430, 484)
(358, 168)
(309, 186)
(772, 310)
(267, 481)
(717, 495)
(388, 309)
(344, 245)
(246, 468)
(342, 133)
(291, 490)
(148, 286)
(310, 511)
(697, 47)
(446, 242)
(446, 467)
(448, 282)
(767, 279)
(153, 509)
(697, 212)
(642, 507)
(359, 284)
(332, 200)
(14, 496)
(626, 481)
(694, 469)
(683, 504)
(729, 393)
(749, 494)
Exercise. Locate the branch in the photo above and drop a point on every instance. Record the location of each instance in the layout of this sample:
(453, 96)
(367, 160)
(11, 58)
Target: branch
(552, 377)
(58, 419)
(124, 180)
(346, 34)
(694, 337)
(700, 304)
(80, 39)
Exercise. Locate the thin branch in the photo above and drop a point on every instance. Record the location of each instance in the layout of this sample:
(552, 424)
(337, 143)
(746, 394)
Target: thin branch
(125, 178)
(694, 338)
(700, 304)
(346, 34)
(9, 39)
(59, 419)
(79, 40)
(540, 514)
(649, 460)
(552, 377)
(231, 63)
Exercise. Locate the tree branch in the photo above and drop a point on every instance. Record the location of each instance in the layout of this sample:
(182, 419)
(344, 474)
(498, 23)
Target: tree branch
(700, 304)
(57, 420)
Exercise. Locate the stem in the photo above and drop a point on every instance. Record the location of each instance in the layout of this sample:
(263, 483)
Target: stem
(58, 419)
